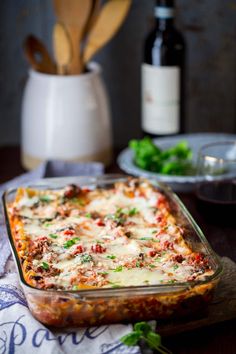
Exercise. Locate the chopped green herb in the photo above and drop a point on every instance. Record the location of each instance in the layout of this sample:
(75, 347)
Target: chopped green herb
(103, 273)
(99, 242)
(138, 264)
(46, 198)
(75, 287)
(114, 285)
(47, 224)
(152, 266)
(154, 231)
(175, 266)
(119, 221)
(118, 217)
(132, 211)
(149, 239)
(88, 215)
(71, 242)
(86, 258)
(52, 235)
(119, 211)
(171, 281)
(111, 256)
(62, 200)
(118, 269)
(77, 201)
(45, 266)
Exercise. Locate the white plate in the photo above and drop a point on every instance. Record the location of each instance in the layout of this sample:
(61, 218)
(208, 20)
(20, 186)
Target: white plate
(178, 183)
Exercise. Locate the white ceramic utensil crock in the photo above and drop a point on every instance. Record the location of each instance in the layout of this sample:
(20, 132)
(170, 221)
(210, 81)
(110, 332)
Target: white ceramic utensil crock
(65, 118)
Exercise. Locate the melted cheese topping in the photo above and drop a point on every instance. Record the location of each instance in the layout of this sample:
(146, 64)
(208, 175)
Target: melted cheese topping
(124, 236)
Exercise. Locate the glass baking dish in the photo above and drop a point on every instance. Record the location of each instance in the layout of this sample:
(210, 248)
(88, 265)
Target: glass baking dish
(88, 307)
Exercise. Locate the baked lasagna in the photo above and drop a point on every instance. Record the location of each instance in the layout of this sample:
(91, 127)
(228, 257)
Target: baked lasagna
(80, 238)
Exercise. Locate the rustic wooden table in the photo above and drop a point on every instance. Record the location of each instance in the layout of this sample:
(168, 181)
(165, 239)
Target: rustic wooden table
(218, 338)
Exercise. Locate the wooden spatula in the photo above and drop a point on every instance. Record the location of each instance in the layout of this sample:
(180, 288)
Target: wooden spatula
(109, 20)
(73, 14)
(38, 56)
(62, 48)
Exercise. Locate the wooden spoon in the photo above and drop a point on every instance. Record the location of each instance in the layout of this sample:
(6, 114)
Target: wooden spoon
(62, 48)
(93, 16)
(74, 15)
(38, 56)
(110, 18)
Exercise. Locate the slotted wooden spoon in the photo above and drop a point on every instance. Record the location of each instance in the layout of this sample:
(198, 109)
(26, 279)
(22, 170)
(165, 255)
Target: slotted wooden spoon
(109, 20)
(37, 55)
(62, 48)
(73, 14)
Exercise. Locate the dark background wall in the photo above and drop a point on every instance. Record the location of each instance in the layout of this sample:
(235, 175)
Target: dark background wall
(209, 27)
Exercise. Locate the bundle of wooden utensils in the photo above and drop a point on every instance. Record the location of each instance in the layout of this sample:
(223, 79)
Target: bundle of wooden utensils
(83, 27)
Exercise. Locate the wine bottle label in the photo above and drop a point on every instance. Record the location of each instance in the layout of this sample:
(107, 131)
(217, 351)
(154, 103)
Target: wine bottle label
(164, 12)
(160, 99)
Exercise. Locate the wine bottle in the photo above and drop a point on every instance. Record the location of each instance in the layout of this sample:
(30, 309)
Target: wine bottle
(163, 75)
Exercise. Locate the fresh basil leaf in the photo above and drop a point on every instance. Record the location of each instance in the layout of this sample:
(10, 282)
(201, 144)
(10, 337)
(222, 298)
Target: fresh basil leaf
(143, 327)
(131, 339)
(143, 331)
(153, 339)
